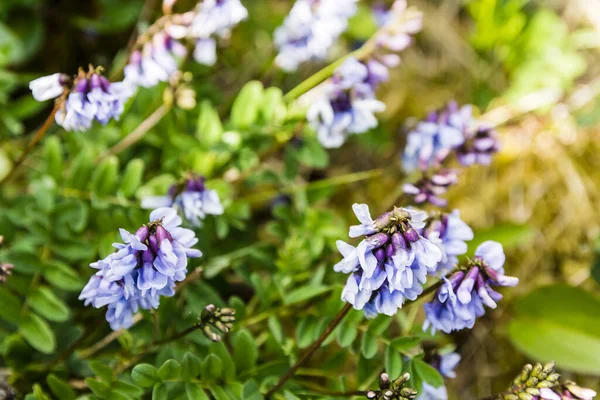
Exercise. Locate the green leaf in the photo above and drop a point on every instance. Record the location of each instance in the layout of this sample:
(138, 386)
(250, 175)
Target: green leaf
(212, 367)
(144, 375)
(312, 154)
(219, 350)
(393, 362)
(369, 345)
(81, 170)
(105, 176)
(191, 366)
(509, 235)
(99, 388)
(346, 333)
(246, 105)
(62, 276)
(132, 177)
(273, 107)
(305, 293)
(559, 323)
(160, 392)
(45, 302)
(427, 373)
(245, 351)
(219, 393)
(209, 128)
(60, 388)
(251, 391)
(24, 262)
(194, 392)
(378, 325)
(53, 154)
(128, 389)
(402, 344)
(170, 370)
(275, 328)
(37, 333)
(10, 310)
(102, 371)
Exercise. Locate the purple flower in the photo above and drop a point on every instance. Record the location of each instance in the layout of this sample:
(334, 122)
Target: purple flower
(428, 189)
(450, 233)
(432, 140)
(310, 29)
(142, 269)
(429, 392)
(479, 147)
(390, 264)
(48, 87)
(92, 97)
(459, 302)
(192, 197)
(156, 62)
(348, 106)
(566, 392)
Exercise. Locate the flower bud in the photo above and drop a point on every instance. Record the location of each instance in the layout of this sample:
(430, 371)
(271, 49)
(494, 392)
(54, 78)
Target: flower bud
(398, 241)
(411, 235)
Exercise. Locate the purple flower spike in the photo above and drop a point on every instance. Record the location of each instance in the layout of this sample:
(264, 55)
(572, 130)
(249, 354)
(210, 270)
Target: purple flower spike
(144, 268)
(390, 264)
(459, 302)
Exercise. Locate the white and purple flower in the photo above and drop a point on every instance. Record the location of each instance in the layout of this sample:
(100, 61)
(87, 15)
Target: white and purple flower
(49, 87)
(348, 107)
(479, 147)
(142, 269)
(390, 264)
(192, 197)
(429, 188)
(310, 29)
(459, 302)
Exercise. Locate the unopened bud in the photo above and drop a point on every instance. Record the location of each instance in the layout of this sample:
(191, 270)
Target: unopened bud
(371, 394)
(525, 396)
(384, 381)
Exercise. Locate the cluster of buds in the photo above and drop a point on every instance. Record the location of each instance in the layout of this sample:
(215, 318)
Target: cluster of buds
(393, 390)
(537, 382)
(215, 322)
(5, 269)
(430, 188)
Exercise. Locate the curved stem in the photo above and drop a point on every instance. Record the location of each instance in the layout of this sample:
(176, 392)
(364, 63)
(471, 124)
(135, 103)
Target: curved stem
(138, 132)
(38, 136)
(311, 351)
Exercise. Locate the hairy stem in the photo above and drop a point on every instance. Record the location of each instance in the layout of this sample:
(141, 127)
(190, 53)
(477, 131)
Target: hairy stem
(38, 136)
(311, 351)
(138, 133)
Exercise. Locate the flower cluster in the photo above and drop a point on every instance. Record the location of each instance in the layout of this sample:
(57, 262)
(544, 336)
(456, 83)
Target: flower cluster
(390, 264)
(445, 364)
(192, 197)
(449, 232)
(143, 268)
(89, 96)
(392, 390)
(451, 129)
(216, 321)
(537, 382)
(310, 29)
(348, 103)
(460, 300)
(156, 56)
(348, 107)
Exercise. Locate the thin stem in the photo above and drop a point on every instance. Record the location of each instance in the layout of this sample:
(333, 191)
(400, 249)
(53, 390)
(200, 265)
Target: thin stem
(336, 393)
(326, 72)
(138, 133)
(311, 351)
(38, 136)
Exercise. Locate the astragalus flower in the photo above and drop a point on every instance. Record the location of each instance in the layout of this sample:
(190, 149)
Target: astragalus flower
(49, 87)
(142, 269)
(348, 107)
(390, 264)
(433, 139)
(460, 300)
(451, 233)
(310, 29)
(429, 188)
(214, 19)
(192, 197)
(445, 364)
(479, 146)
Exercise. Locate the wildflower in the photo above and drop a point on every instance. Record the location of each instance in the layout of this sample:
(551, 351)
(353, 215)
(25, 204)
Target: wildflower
(390, 264)
(192, 197)
(91, 97)
(155, 62)
(479, 147)
(310, 29)
(450, 233)
(460, 300)
(48, 87)
(214, 18)
(348, 107)
(142, 269)
(428, 189)
(432, 140)
(445, 364)
(396, 389)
